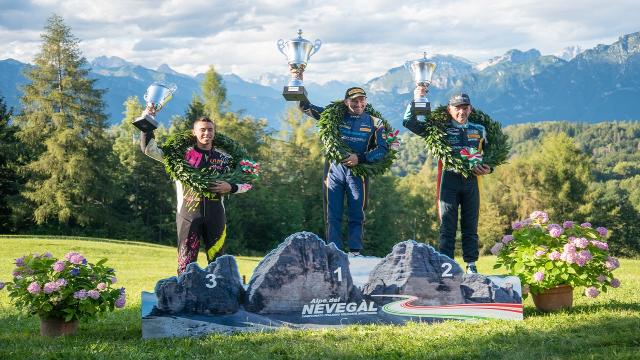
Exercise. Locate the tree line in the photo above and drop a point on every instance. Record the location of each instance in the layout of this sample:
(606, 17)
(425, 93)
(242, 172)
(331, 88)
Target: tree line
(64, 170)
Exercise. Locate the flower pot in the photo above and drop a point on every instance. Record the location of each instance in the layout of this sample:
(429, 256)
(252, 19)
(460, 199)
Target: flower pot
(554, 299)
(53, 327)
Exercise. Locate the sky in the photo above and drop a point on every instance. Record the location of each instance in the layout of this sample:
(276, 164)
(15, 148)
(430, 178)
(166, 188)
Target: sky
(361, 39)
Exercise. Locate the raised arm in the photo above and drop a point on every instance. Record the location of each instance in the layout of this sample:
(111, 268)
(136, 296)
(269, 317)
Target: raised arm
(310, 110)
(411, 122)
(149, 146)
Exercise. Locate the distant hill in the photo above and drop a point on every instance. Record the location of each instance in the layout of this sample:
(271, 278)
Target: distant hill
(598, 84)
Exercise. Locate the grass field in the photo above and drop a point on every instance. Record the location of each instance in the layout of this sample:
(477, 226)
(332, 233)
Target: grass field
(607, 327)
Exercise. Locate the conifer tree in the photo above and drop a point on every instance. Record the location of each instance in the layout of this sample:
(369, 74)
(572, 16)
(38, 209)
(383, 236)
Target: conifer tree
(63, 124)
(9, 157)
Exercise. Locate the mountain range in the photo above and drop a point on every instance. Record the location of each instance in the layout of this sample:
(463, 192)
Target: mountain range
(597, 84)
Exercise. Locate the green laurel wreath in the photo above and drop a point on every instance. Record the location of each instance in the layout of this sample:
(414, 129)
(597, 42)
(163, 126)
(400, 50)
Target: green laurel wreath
(495, 151)
(335, 149)
(199, 180)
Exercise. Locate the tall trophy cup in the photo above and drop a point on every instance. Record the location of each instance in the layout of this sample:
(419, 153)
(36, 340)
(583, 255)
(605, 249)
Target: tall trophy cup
(422, 72)
(298, 51)
(157, 95)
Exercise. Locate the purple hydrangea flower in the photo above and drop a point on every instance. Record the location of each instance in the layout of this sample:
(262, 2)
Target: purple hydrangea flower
(80, 294)
(34, 288)
(539, 276)
(50, 287)
(554, 255)
(615, 283)
(496, 248)
(591, 292)
(113, 279)
(20, 261)
(94, 294)
(75, 272)
(586, 225)
(567, 224)
(600, 245)
(120, 301)
(602, 231)
(61, 282)
(612, 263)
(48, 255)
(517, 225)
(1, 285)
(507, 239)
(122, 291)
(601, 278)
(58, 266)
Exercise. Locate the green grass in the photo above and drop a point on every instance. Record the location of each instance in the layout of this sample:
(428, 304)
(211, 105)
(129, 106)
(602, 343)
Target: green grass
(607, 327)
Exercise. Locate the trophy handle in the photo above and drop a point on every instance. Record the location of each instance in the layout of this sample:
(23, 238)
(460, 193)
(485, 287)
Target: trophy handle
(281, 47)
(316, 47)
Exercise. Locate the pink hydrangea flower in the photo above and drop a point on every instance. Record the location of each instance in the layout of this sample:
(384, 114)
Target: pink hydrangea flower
(539, 276)
(586, 225)
(581, 243)
(94, 294)
(591, 292)
(541, 216)
(75, 258)
(58, 266)
(602, 231)
(555, 231)
(507, 239)
(539, 253)
(80, 294)
(567, 224)
(496, 248)
(569, 254)
(612, 263)
(34, 288)
(615, 283)
(101, 286)
(554, 255)
(61, 282)
(600, 245)
(51, 287)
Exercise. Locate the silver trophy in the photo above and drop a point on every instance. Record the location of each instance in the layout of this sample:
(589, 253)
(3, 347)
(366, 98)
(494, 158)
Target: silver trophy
(157, 95)
(422, 71)
(298, 51)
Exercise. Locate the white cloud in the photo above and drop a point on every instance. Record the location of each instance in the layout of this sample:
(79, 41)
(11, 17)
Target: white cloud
(361, 38)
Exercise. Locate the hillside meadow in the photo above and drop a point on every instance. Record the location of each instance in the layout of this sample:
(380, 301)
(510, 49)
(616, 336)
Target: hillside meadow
(606, 327)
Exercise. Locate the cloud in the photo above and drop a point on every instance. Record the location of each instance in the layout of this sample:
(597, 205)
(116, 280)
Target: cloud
(361, 39)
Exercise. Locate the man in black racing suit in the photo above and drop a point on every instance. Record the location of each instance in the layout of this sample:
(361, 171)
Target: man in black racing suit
(198, 216)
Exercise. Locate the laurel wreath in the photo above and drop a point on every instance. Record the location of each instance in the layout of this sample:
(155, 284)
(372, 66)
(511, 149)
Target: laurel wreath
(335, 149)
(495, 151)
(199, 180)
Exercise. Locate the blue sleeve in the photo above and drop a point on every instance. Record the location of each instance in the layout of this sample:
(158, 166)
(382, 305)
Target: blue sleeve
(310, 110)
(378, 148)
(411, 122)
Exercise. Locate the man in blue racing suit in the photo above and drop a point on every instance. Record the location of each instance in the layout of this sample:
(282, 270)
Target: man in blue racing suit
(363, 133)
(453, 189)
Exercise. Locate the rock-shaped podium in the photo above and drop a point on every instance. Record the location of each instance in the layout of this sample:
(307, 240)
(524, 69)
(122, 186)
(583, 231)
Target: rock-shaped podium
(417, 269)
(478, 288)
(217, 289)
(299, 270)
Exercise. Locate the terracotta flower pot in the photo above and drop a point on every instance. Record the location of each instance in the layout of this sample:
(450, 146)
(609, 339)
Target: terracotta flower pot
(53, 327)
(554, 299)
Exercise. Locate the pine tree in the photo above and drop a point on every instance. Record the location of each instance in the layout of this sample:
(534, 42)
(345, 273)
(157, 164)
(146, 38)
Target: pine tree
(9, 160)
(63, 124)
(214, 94)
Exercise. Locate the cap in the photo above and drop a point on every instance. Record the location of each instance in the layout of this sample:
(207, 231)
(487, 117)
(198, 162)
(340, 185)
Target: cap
(459, 99)
(354, 92)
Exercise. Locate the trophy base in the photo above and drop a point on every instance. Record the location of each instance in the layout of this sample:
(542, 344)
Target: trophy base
(145, 123)
(295, 93)
(421, 107)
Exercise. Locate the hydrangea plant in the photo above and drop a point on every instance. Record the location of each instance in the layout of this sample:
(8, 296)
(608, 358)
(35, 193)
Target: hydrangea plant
(70, 288)
(545, 255)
